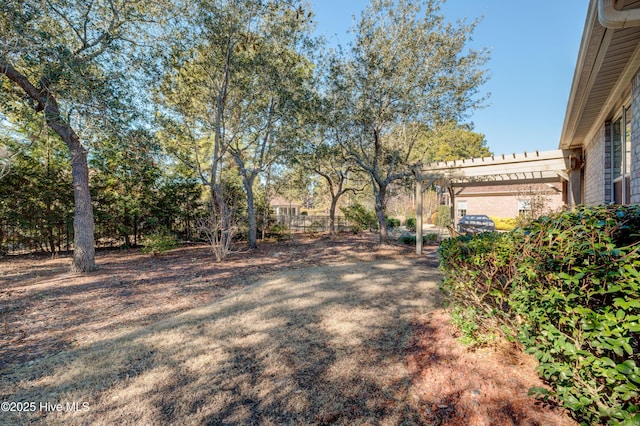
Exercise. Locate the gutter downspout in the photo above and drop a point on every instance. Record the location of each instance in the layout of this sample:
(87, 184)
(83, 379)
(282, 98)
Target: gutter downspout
(610, 17)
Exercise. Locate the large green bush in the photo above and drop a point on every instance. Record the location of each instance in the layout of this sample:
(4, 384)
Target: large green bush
(159, 242)
(567, 287)
(360, 216)
(392, 222)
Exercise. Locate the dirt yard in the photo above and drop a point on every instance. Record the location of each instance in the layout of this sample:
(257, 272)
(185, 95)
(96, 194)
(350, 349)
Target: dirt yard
(308, 331)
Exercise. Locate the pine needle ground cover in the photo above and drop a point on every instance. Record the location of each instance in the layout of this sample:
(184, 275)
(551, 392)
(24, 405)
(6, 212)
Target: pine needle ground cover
(308, 331)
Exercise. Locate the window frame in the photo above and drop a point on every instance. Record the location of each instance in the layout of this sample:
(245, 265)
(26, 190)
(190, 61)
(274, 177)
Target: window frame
(621, 167)
(459, 209)
(524, 207)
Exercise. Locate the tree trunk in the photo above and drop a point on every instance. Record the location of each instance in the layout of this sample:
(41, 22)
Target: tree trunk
(135, 230)
(51, 240)
(84, 251)
(380, 193)
(332, 214)
(2, 252)
(126, 228)
(49, 229)
(83, 227)
(251, 212)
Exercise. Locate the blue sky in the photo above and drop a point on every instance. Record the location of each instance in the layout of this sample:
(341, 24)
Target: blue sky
(534, 47)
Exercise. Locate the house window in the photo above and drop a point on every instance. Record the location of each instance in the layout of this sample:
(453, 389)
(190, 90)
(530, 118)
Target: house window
(621, 157)
(462, 208)
(524, 208)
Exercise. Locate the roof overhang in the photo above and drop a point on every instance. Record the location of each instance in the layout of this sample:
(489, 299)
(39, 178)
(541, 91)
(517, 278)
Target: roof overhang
(607, 61)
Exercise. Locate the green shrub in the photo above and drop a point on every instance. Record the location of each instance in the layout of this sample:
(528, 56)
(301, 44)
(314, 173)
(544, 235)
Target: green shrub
(159, 242)
(392, 222)
(358, 215)
(568, 286)
(279, 232)
(479, 272)
(411, 239)
(411, 224)
(444, 216)
(315, 227)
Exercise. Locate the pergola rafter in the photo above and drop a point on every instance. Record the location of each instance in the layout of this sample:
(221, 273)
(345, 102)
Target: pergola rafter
(526, 168)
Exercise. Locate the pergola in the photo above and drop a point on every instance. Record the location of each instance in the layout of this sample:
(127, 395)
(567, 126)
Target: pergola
(560, 165)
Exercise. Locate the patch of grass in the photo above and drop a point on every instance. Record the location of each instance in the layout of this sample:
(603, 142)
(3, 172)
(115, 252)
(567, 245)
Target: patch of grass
(464, 319)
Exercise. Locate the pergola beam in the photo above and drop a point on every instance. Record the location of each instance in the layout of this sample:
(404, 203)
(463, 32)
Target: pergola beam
(548, 162)
(525, 168)
(503, 181)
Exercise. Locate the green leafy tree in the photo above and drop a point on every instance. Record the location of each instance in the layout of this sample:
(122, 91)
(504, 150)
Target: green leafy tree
(326, 152)
(178, 205)
(62, 63)
(126, 181)
(293, 182)
(231, 92)
(452, 141)
(277, 91)
(35, 197)
(326, 158)
(407, 68)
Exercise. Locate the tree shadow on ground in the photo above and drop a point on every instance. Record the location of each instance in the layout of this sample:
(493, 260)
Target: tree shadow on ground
(313, 346)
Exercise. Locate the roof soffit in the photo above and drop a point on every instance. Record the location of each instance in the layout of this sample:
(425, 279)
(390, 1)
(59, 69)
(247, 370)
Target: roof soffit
(606, 63)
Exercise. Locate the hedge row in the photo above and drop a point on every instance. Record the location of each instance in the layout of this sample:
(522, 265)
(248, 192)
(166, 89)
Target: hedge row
(568, 288)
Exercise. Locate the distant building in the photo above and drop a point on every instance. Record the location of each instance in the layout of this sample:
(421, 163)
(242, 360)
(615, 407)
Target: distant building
(508, 201)
(506, 186)
(283, 207)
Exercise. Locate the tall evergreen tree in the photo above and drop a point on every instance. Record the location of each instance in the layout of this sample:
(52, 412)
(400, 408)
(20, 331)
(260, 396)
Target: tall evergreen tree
(234, 94)
(407, 67)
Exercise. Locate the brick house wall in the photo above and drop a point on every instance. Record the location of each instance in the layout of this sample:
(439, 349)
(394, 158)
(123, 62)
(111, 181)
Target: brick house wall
(598, 188)
(597, 168)
(608, 166)
(502, 200)
(635, 140)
